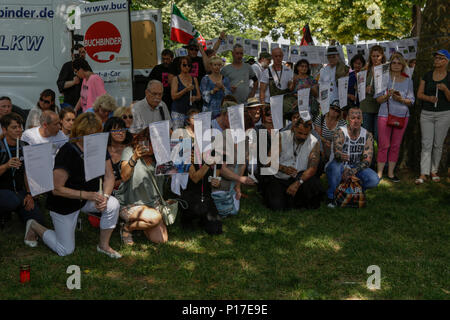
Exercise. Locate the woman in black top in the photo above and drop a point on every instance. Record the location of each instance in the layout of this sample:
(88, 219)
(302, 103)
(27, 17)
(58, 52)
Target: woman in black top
(118, 139)
(434, 93)
(73, 193)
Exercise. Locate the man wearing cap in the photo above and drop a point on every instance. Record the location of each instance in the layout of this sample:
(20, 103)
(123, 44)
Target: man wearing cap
(253, 109)
(69, 84)
(334, 70)
(199, 65)
(296, 185)
(434, 92)
(259, 67)
(276, 79)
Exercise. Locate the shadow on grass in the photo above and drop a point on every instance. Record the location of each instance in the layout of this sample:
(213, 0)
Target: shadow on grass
(322, 254)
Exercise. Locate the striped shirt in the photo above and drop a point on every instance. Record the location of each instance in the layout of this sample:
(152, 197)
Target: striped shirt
(327, 133)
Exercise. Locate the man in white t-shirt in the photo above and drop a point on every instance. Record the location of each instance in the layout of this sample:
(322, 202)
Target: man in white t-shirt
(278, 73)
(48, 131)
(259, 67)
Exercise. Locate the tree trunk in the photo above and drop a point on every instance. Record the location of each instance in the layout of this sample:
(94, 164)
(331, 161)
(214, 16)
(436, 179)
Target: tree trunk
(433, 36)
(416, 20)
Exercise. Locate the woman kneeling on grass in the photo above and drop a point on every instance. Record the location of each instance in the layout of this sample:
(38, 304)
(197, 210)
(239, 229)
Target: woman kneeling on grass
(137, 195)
(73, 193)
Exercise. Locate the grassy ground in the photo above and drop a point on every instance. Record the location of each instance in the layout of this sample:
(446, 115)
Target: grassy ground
(322, 254)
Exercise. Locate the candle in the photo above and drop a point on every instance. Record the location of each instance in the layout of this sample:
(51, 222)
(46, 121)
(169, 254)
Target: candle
(101, 186)
(17, 148)
(190, 98)
(215, 171)
(393, 83)
(25, 273)
(435, 104)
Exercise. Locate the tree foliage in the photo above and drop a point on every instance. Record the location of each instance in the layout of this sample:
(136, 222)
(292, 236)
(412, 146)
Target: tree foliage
(340, 20)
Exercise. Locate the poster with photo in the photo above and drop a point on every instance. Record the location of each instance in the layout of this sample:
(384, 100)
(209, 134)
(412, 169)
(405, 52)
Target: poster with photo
(285, 49)
(247, 47)
(180, 158)
(310, 53)
(351, 51)
(229, 43)
(264, 46)
(254, 49)
(294, 54)
(274, 45)
(362, 49)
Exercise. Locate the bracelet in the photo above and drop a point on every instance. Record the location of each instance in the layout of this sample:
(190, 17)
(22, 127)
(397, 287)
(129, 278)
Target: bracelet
(132, 163)
(106, 195)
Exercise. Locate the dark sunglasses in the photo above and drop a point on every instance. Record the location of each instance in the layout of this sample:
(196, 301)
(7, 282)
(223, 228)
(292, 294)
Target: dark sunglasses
(193, 48)
(125, 117)
(336, 109)
(187, 65)
(44, 101)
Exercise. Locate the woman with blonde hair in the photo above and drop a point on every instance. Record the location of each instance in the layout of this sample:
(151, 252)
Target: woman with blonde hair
(72, 194)
(104, 106)
(393, 115)
(125, 114)
(369, 105)
(214, 87)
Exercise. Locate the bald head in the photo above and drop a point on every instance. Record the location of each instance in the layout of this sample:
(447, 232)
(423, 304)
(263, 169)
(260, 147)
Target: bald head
(277, 56)
(50, 124)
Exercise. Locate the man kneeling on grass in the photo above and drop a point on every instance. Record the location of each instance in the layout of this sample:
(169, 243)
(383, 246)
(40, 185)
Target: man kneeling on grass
(351, 155)
(296, 185)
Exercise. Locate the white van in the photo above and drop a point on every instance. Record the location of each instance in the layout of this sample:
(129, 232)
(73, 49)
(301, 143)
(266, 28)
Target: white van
(35, 42)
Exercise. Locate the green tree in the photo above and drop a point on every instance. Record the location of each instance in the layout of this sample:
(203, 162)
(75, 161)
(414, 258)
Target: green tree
(339, 20)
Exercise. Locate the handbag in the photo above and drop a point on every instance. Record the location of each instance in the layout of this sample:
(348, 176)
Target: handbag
(349, 194)
(394, 121)
(224, 201)
(169, 208)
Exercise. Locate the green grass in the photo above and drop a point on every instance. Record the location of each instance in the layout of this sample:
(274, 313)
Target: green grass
(322, 254)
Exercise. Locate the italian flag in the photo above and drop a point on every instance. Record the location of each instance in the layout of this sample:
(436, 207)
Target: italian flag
(181, 30)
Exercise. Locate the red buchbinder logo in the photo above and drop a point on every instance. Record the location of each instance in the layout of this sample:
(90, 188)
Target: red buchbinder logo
(102, 41)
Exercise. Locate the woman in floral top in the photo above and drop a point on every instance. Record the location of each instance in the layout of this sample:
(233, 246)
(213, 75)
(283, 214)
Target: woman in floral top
(303, 79)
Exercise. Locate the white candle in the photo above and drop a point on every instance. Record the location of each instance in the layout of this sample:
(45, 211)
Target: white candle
(17, 148)
(393, 83)
(101, 186)
(435, 104)
(215, 171)
(190, 98)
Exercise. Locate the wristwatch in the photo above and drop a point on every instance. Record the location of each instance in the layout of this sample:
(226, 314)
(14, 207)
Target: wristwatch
(301, 181)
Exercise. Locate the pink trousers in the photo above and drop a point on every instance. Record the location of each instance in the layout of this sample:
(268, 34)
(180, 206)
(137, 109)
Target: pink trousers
(389, 140)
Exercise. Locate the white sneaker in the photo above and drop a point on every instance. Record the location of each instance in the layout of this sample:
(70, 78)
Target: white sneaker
(114, 254)
(331, 204)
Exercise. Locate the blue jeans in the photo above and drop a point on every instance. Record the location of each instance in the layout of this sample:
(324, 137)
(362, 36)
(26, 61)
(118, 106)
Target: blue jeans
(369, 178)
(11, 201)
(370, 123)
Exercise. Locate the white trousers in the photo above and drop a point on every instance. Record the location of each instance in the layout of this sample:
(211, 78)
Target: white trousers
(434, 127)
(62, 239)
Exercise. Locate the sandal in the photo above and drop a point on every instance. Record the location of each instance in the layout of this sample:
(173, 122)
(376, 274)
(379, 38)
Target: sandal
(435, 178)
(127, 240)
(419, 181)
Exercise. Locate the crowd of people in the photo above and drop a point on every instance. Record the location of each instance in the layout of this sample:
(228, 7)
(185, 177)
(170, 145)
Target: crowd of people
(340, 143)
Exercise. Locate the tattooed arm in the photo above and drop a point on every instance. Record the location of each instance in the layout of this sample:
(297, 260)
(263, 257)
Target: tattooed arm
(338, 143)
(313, 163)
(366, 156)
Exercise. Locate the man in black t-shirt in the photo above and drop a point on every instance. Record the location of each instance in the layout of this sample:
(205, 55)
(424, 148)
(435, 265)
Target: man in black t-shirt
(68, 83)
(161, 73)
(14, 190)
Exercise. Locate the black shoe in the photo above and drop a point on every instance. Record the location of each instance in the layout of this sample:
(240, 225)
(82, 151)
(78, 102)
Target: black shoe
(394, 179)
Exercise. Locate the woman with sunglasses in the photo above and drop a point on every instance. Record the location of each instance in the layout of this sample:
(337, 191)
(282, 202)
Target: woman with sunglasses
(67, 117)
(434, 93)
(184, 91)
(46, 102)
(327, 124)
(395, 101)
(119, 138)
(125, 114)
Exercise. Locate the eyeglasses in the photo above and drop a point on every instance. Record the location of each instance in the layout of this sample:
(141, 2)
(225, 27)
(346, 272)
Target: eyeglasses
(186, 65)
(125, 117)
(336, 109)
(45, 101)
